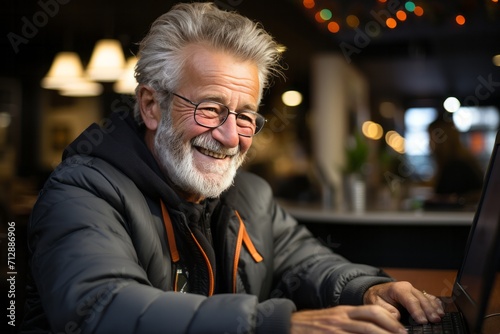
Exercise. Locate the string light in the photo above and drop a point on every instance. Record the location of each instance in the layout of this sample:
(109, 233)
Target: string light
(309, 4)
(325, 14)
(401, 15)
(391, 23)
(382, 10)
(460, 19)
(410, 6)
(419, 11)
(352, 21)
(318, 17)
(333, 27)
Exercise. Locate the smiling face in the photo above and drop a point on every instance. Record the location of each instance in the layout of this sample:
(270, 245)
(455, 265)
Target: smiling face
(202, 162)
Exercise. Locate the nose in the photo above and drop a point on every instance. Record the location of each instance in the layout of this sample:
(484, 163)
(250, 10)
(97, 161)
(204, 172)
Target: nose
(227, 133)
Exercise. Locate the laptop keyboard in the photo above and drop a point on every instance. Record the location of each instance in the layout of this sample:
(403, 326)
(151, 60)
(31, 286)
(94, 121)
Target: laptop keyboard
(451, 323)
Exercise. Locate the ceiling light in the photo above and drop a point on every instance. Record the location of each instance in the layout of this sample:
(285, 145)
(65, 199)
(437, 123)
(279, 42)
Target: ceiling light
(291, 98)
(107, 61)
(82, 88)
(451, 104)
(496, 60)
(66, 68)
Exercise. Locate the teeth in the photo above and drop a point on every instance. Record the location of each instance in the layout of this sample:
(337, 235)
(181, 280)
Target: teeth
(212, 154)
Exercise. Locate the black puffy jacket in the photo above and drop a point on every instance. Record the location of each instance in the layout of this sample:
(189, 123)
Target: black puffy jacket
(104, 254)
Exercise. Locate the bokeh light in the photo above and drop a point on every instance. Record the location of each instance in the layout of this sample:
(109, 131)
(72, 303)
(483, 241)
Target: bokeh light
(318, 17)
(352, 21)
(291, 98)
(391, 23)
(395, 141)
(401, 15)
(460, 19)
(333, 27)
(496, 60)
(419, 10)
(309, 4)
(451, 104)
(372, 130)
(387, 109)
(410, 6)
(325, 14)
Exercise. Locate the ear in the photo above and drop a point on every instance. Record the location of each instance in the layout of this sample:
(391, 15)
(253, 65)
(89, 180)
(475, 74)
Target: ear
(149, 107)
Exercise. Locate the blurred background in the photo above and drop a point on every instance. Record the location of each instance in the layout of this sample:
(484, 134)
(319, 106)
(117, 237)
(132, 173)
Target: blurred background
(347, 129)
(366, 78)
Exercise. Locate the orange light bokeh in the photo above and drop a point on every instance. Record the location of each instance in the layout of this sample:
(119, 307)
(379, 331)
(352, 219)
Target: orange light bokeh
(318, 17)
(401, 15)
(333, 27)
(391, 23)
(419, 11)
(352, 21)
(460, 19)
(309, 4)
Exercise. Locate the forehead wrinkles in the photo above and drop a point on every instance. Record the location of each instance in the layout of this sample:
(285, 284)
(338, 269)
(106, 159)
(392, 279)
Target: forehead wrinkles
(207, 67)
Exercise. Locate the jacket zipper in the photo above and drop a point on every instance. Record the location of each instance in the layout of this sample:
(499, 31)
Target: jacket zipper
(211, 283)
(174, 253)
(243, 238)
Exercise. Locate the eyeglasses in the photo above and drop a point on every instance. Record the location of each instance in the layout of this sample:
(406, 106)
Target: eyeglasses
(212, 114)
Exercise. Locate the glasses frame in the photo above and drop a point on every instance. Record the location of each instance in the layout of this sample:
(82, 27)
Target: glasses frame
(229, 112)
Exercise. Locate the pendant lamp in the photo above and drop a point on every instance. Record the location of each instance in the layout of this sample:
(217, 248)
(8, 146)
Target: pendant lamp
(126, 84)
(66, 67)
(107, 61)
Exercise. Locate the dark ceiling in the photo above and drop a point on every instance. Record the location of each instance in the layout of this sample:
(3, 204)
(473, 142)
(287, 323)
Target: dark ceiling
(424, 58)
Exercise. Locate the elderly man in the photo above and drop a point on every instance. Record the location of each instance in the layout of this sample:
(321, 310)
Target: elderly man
(147, 227)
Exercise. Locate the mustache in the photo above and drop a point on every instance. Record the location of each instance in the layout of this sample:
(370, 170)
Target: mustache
(206, 141)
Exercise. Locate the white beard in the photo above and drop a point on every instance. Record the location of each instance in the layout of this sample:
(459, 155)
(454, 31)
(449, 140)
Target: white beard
(176, 159)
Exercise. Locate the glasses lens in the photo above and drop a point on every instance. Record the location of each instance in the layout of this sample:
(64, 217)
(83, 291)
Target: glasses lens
(213, 114)
(210, 114)
(249, 123)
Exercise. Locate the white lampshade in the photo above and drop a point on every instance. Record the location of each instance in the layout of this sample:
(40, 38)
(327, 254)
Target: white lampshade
(126, 84)
(66, 68)
(107, 61)
(81, 88)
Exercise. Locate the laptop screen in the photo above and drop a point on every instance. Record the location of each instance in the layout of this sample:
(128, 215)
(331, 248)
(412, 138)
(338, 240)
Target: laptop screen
(480, 264)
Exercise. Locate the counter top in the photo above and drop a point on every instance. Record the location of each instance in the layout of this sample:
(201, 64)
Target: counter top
(317, 214)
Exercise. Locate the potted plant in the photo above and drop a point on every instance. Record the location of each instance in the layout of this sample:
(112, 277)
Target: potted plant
(357, 151)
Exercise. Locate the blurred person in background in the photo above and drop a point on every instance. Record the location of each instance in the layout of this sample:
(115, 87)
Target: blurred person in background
(458, 179)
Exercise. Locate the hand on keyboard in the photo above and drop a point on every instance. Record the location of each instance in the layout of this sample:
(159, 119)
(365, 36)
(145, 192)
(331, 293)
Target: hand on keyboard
(422, 306)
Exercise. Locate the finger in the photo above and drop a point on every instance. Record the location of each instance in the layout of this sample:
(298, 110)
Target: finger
(377, 316)
(433, 307)
(364, 327)
(389, 308)
(424, 307)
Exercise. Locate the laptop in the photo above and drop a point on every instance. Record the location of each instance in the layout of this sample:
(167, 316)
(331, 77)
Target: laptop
(476, 276)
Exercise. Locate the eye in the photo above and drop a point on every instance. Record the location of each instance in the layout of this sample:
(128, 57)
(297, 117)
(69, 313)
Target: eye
(247, 119)
(210, 109)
